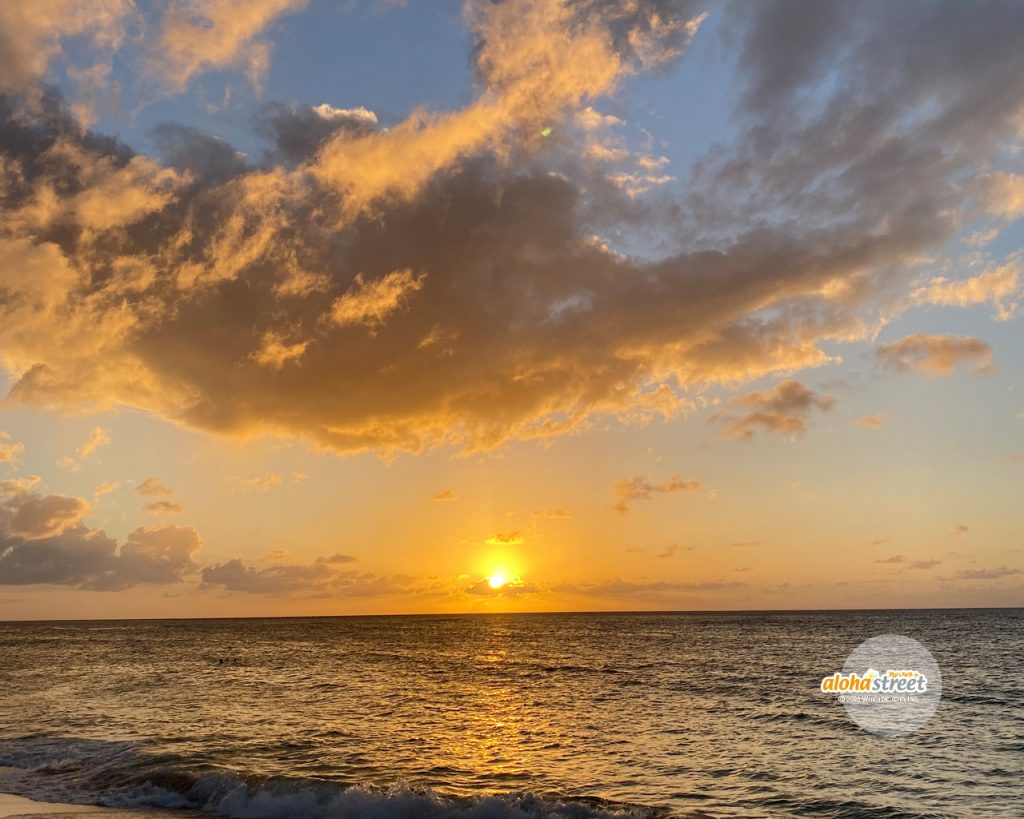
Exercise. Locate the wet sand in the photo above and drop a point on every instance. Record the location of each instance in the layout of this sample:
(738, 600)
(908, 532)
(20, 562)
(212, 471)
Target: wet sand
(14, 806)
(11, 805)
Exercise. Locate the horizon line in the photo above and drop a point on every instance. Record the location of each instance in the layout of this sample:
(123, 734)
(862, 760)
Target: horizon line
(516, 614)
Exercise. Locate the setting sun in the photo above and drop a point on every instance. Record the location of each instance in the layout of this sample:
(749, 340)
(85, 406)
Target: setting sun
(497, 580)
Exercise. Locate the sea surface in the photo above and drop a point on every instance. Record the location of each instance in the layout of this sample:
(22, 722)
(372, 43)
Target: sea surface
(495, 716)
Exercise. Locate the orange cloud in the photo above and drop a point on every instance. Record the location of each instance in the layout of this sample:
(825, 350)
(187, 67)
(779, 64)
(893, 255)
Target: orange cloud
(785, 409)
(936, 354)
(639, 488)
(875, 421)
(163, 507)
(153, 486)
(998, 285)
(201, 35)
(1004, 194)
(9, 450)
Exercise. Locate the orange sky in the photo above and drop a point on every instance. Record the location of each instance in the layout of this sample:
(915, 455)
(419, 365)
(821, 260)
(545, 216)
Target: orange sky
(635, 309)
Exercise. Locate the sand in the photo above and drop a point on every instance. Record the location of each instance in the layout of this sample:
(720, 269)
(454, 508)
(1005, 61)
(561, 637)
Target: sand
(13, 806)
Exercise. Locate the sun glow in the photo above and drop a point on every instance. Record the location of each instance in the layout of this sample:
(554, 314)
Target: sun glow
(497, 579)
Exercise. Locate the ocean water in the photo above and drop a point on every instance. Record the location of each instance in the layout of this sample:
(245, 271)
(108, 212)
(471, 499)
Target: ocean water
(494, 716)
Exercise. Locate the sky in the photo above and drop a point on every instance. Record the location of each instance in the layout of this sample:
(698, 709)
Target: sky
(364, 307)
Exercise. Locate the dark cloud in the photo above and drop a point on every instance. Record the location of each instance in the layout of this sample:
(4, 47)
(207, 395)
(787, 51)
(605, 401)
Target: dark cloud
(987, 574)
(336, 558)
(298, 131)
(43, 541)
(42, 517)
(204, 155)
(321, 578)
(785, 408)
(210, 297)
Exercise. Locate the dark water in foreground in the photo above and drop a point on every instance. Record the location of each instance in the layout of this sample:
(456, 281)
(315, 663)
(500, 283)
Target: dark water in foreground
(505, 716)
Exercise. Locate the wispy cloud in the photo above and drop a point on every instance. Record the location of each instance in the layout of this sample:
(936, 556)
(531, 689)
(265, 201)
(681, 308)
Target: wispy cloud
(785, 409)
(936, 354)
(641, 488)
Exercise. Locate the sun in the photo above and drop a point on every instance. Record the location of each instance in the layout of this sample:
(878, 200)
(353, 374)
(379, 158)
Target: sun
(497, 580)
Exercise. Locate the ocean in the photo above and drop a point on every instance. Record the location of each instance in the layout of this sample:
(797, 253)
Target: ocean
(494, 716)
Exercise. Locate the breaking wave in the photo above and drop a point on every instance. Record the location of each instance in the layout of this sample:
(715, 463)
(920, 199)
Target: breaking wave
(119, 774)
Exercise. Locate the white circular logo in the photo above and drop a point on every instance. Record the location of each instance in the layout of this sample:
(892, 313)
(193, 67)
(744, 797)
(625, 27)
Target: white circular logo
(890, 685)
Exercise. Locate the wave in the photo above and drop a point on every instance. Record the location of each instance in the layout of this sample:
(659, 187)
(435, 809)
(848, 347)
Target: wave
(121, 775)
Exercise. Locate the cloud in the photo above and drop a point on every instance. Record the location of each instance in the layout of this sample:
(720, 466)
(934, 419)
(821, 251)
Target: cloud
(515, 587)
(987, 574)
(195, 37)
(355, 116)
(505, 539)
(445, 495)
(936, 354)
(336, 558)
(640, 488)
(318, 579)
(275, 352)
(998, 285)
(669, 551)
(371, 302)
(97, 439)
(590, 120)
(554, 513)
(205, 294)
(260, 483)
(105, 488)
(893, 559)
(627, 588)
(163, 507)
(980, 238)
(298, 131)
(9, 450)
(785, 408)
(152, 487)
(959, 529)
(19, 486)
(1004, 194)
(235, 576)
(39, 517)
(43, 541)
(31, 35)
(924, 564)
(872, 421)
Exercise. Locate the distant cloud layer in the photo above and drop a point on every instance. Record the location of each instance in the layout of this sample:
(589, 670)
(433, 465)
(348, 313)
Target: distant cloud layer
(453, 278)
(44, 541)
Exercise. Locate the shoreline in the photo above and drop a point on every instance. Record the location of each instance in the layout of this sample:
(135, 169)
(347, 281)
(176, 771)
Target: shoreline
(12, 805)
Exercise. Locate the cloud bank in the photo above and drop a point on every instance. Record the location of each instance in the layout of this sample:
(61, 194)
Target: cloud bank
(438, 282)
